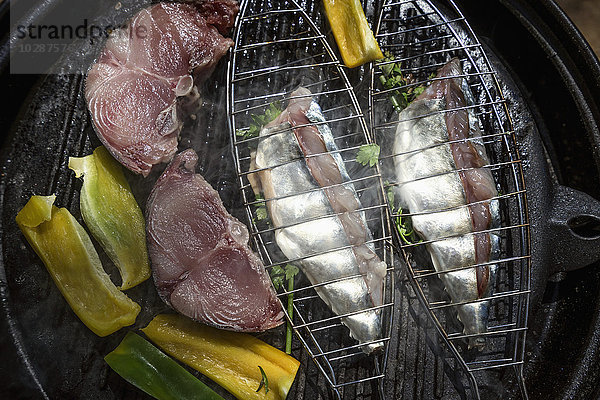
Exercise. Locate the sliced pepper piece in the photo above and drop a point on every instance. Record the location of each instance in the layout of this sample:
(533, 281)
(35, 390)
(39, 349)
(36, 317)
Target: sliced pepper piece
(152, 371)
(354, 38)
(112, 215)
(232, 359)
(71, 259)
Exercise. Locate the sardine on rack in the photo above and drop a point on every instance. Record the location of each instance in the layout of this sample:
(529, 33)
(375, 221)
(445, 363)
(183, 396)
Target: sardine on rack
(440, 164)
(317, 215)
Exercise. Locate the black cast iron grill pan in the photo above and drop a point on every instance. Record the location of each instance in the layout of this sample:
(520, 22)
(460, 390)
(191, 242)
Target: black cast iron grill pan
(60, 359)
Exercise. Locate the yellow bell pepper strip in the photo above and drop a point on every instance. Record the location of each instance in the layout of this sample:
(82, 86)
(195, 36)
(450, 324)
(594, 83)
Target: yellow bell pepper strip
(354, 38)
(112, 215)
(71, 259)
(152, 371)
(232, 359)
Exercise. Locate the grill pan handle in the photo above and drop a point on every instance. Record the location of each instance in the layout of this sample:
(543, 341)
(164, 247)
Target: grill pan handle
(574, 229)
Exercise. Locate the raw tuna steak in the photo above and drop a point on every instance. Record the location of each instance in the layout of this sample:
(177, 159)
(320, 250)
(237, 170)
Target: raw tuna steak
(132, 89)
(201, 261)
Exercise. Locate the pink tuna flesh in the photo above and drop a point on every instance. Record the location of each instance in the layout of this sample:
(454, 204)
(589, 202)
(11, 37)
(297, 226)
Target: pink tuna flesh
(132, 89)
(201, 262)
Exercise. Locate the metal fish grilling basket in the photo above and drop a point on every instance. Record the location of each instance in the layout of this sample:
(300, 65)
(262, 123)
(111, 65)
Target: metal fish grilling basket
(420, 37)
(278, 48)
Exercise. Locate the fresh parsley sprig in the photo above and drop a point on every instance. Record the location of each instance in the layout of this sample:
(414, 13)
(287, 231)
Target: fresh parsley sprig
(368, 154)
(403, 224)
(279, 276)
(261, 208)
(260, 120)
(391, 77)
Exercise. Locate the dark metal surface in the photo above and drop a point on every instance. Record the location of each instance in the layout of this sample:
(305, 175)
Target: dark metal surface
(48, 353)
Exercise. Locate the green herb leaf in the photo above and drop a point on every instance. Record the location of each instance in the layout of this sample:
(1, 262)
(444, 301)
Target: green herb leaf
(264, 381)
(368, 154)
(418, 90)
(403, 224)
(392, 77)
(240, 132)
(261, 213)
(405, 229)
(291, 271)
(272, 112)
(391, 196)
(277, 276)
(261, 208)
(260, 120)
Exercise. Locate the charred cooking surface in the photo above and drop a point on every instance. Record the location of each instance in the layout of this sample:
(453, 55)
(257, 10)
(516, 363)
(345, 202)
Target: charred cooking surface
(201, 261)
(132, 89)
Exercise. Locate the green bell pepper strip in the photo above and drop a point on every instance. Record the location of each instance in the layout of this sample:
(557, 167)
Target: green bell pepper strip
(112, 215)
(149, 369)
(73, 263)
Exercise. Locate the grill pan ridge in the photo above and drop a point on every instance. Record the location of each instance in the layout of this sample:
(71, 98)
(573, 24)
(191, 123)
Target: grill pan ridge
(418, 362)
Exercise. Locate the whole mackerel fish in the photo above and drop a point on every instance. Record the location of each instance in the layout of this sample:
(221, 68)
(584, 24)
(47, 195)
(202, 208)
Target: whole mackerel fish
(443, 179)
(317, 215)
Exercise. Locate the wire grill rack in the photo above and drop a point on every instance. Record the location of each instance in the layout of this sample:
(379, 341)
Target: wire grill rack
(422, 37)
(278, 47)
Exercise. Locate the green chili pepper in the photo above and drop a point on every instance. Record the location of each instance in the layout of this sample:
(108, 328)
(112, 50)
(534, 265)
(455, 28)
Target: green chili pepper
(149, 369)
(70, 258)
(112, 214)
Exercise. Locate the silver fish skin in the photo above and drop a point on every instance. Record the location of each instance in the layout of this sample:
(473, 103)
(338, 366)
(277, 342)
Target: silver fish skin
(428, 182)
(308, 225)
